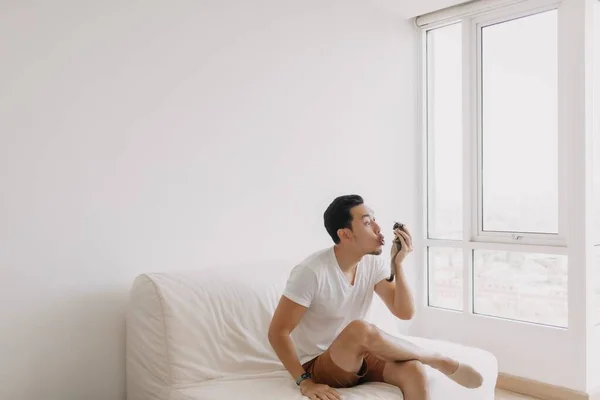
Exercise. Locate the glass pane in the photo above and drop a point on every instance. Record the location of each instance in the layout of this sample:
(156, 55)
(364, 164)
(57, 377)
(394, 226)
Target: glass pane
(521, 286)
(445, 270)
(444, 132)
(519, 122)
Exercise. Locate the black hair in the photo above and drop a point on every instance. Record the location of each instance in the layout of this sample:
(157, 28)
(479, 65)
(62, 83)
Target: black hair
(337, 215)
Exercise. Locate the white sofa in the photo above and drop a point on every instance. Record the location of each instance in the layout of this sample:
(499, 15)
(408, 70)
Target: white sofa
(202, 335)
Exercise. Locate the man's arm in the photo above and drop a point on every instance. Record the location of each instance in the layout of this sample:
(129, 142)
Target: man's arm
(397, 295)
(285, 319)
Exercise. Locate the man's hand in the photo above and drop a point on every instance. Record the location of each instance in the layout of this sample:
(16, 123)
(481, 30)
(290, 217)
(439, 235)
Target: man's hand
(398, 297)
(397, 254)
(316, 391)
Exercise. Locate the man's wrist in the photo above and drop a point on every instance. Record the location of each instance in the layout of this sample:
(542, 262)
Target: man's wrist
(305, 382)
(304, 377)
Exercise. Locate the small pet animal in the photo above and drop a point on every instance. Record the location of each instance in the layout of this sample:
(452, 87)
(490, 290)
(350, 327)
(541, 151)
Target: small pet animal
(397, 242)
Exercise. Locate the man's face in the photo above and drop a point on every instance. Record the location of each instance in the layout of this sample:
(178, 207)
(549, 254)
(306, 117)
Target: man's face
(366, 233)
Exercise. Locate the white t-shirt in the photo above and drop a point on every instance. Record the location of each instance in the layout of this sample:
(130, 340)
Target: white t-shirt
(319, 284)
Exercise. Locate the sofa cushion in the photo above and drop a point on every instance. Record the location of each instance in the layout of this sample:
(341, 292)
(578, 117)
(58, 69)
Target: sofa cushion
(279, 385)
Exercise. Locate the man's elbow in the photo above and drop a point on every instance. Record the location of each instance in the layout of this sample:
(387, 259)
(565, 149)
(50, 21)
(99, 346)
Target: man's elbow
(275, 335)
(405, 314)
(271, 334)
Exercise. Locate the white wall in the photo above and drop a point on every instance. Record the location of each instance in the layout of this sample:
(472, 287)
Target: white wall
(154, 136)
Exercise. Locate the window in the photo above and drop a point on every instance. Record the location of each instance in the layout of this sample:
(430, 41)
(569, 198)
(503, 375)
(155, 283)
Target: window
(502, 247)
(445, 267)
(522, 286)
(519, 174)
(444, 121)
(445, 169)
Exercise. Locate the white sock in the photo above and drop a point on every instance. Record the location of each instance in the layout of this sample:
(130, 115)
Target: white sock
(467, 376)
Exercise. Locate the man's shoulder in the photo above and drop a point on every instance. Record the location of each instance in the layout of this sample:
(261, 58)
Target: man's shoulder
(316, 261)
(317, 258)
(305, 277)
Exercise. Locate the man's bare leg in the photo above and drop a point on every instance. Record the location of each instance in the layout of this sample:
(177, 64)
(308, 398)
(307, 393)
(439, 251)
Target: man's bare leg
(410, 377)
(360, 337)
(444, 364)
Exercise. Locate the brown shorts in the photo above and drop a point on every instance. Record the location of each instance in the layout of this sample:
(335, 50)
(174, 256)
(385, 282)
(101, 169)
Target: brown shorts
(325, 371)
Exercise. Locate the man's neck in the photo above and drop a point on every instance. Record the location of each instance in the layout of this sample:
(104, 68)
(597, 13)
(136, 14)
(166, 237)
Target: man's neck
(347, 258)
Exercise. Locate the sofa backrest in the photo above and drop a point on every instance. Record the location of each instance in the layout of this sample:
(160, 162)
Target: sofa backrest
(188, 327)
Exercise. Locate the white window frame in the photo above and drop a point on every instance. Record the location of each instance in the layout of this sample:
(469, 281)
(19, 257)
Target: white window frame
(474, 238)
(479, 235)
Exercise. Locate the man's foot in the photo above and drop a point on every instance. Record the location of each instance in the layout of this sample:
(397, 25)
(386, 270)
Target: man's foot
(463, 374)
(466, 376)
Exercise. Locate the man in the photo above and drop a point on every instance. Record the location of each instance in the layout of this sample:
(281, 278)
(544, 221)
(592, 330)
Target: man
(318, 329)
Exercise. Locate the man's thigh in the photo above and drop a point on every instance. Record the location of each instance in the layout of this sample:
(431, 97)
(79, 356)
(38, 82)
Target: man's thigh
(375, 367)
(348, 349)
(346, 362)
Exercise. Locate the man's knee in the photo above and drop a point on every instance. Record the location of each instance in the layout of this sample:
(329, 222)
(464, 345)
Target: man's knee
(415, 371)
(361, 333)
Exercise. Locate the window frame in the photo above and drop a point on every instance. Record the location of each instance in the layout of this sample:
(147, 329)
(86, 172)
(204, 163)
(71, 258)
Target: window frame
(474, 238)
(429, 146)
(479, 235)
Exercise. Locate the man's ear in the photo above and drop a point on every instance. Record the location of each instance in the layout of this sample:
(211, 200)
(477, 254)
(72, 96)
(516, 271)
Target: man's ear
(343, 234)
